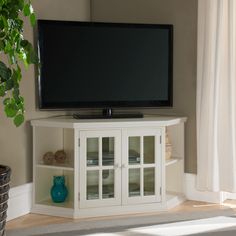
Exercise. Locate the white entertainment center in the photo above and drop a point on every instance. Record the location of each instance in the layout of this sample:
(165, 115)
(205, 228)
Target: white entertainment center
(113, 166)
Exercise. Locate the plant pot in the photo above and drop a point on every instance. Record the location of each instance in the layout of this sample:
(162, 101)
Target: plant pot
(5, 173)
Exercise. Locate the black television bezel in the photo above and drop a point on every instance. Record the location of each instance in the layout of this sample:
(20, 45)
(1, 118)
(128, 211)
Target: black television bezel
(107, 104)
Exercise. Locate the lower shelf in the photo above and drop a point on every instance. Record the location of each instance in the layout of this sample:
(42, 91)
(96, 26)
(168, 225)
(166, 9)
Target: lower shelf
(99, 211)
(49, 202)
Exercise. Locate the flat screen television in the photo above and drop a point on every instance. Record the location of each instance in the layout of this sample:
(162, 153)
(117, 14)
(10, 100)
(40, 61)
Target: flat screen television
(104, 65)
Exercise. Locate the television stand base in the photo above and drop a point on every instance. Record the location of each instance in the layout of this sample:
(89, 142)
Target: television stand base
(108, 114)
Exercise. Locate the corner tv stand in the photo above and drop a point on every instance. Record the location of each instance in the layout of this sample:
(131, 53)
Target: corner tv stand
(107, 113)
(112, 166)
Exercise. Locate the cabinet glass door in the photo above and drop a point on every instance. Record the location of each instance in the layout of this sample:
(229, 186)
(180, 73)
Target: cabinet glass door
(100, 160)
(142, 166)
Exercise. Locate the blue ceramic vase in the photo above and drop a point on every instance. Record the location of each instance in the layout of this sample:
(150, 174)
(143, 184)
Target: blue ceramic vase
(59, 191)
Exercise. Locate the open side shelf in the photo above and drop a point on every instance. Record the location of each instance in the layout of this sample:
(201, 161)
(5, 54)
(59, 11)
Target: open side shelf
(62, 167)
(174, 171)
(44, 183)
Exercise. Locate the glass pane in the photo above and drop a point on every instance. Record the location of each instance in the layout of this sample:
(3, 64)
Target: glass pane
(134, 150)
(149, 149)
(134, 182)
(108, 151)
(92, 152)
(149, 181)
(92, 184)
(108, 184)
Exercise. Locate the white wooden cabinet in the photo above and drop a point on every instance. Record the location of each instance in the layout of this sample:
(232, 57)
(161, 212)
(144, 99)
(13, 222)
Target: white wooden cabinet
(113, 166)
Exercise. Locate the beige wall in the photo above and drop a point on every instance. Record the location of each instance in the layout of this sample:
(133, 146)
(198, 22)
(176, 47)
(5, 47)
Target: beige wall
(16, 143)
(183, 15)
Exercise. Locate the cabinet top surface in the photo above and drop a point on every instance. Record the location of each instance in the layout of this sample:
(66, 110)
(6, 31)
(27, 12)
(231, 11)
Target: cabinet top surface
(69, 122)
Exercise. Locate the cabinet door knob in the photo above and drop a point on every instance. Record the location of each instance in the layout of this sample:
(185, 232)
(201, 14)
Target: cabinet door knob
(124, 166)
(117, 166)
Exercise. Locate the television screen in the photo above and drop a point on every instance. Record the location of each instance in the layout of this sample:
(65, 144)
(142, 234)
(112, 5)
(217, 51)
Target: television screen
(87, 64)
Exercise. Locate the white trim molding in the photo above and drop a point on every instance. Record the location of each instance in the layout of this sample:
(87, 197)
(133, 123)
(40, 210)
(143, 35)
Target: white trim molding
(192, 193)
(20, 201)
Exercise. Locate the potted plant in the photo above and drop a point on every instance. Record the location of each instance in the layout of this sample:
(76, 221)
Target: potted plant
(14, 49)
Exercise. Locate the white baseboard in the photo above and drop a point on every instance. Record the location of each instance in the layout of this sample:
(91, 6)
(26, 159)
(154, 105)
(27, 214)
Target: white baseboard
(192, 193)
(230, 195)
(20, 201)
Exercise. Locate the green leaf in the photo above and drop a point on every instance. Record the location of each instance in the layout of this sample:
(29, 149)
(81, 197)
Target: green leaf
(9, 84)
(1, 24)
(2, 34)
(5, 73)
(22, 56)
(11, 109)
(32, 57)
(18, 71)
(21, 4)
(8, 47)
(24, 43)
(26, 9)
(13, 12)
(4, 21)
(22, 100)
(2, 90)
(16, 77)
(18, 120)
(21, 107)
(29, 52)
(16, 94)
(32, 19)
(6, 101)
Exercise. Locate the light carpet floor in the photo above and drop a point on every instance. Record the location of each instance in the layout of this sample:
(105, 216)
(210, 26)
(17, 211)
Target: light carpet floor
(166, 224)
